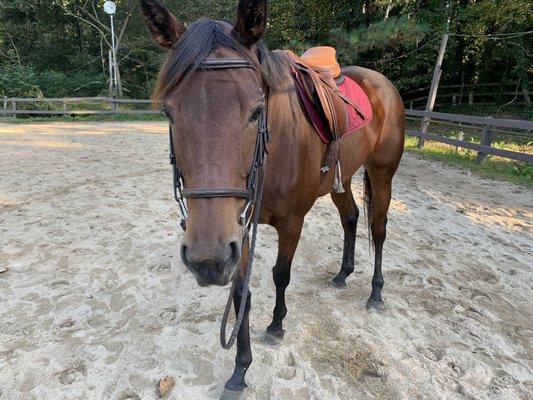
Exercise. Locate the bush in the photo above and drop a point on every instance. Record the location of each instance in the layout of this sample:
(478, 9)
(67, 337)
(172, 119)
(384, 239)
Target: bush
(22, 81)
(57, 84)
(18, 81)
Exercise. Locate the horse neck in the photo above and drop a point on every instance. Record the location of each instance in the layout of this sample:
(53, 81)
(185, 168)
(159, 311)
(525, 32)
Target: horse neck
(287, 119)
(295, 149)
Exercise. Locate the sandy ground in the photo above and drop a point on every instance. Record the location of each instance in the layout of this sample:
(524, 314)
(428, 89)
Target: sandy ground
(97, 305)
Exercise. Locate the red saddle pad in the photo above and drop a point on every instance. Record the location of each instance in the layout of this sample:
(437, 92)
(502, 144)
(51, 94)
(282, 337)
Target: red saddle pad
(355, 93)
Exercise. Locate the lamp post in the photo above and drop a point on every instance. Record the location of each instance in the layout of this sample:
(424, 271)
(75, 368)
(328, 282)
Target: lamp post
(110, 8)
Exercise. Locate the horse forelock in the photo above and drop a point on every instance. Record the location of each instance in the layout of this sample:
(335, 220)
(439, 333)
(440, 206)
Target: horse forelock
(203, 37)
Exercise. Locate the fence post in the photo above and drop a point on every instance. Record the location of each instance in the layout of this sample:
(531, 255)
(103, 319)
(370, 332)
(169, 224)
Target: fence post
(527, 99)
(113, 105)
(454, 99)
(14, 108)
(470, 98)
(486, 140)
(460, 136)
(432, 97)
(64, 105)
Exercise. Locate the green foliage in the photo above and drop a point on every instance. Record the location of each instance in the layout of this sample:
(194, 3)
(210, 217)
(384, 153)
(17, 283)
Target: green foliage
(382, 35)
(383, 45)
(60, 47)
(18, 81)
(496, 111)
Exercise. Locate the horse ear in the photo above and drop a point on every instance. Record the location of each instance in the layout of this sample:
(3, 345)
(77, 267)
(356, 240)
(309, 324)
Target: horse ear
(164, 27)
(251, 21)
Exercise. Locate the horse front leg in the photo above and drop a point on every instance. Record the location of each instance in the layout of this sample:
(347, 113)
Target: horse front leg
(289, 231)
(236, 385)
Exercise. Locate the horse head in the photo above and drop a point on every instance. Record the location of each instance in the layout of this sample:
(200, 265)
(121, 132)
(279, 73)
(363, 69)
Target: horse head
(212, 91)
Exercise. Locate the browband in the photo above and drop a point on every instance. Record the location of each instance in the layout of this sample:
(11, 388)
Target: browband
(225, 63)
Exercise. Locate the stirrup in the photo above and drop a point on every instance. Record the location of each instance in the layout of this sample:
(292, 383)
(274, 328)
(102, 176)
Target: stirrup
(337, 183)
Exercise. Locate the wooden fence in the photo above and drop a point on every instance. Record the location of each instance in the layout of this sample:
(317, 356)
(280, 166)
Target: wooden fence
(112, 106)
(14, 106)
(478, 94)
(487, 125)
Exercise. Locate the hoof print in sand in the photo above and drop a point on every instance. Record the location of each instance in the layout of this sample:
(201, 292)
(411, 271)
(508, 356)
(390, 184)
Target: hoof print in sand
(71, 375)
(168, 314)
(67, 323)
(129, 396)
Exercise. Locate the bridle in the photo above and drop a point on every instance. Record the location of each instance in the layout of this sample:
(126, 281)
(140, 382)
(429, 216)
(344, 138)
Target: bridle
(253, 193)
(181, 194)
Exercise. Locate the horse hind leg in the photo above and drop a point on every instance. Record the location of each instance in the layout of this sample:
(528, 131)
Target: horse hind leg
(378, 182)
(349, 214)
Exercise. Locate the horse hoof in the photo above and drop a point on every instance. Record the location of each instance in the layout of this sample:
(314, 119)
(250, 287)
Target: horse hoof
(228, 394)
(273, 338)
(339, 282)
(376, 306)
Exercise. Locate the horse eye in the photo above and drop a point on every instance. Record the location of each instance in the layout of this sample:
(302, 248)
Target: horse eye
(255, 115)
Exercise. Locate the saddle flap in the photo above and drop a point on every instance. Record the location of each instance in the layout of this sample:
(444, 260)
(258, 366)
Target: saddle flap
(318, 90)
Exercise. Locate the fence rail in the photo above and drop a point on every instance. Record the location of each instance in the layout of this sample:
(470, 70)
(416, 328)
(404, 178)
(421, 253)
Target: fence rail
(487, 124)
(479, 94)
(111, 106)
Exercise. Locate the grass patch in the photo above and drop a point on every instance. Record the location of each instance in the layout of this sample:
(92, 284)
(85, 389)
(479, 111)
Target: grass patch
(494, 167)
(83, 118)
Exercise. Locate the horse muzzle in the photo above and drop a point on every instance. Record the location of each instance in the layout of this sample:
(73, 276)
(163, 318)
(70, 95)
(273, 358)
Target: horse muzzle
(214, 270)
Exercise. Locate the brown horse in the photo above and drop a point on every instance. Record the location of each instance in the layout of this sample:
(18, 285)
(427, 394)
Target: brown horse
(214, 118)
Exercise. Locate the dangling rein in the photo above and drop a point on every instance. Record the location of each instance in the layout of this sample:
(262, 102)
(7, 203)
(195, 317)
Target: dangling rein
(246, 284)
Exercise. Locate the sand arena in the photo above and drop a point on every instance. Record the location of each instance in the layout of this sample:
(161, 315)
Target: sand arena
(96, 304)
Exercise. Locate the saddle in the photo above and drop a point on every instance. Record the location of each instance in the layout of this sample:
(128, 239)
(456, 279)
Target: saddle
(323, 58)
(317, 74)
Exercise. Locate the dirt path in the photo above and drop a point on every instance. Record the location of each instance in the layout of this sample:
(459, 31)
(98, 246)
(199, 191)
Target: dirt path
(96, 305)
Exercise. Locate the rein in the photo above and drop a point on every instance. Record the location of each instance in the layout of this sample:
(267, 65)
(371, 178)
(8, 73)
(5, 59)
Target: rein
(253, 193)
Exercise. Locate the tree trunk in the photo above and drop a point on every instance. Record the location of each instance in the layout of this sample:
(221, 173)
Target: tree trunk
(387, 12)
(120, 92)
(81, 38)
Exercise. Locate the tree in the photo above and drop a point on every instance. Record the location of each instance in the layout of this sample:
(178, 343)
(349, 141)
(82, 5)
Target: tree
(63, 42)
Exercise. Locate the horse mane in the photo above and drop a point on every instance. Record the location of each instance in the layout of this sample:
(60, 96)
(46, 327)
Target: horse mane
(195, 45)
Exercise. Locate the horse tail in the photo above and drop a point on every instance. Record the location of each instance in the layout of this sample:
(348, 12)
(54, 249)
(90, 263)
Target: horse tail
(368, 205)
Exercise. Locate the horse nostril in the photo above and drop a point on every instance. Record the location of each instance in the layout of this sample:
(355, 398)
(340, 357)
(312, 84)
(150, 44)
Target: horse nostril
(235, 252)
